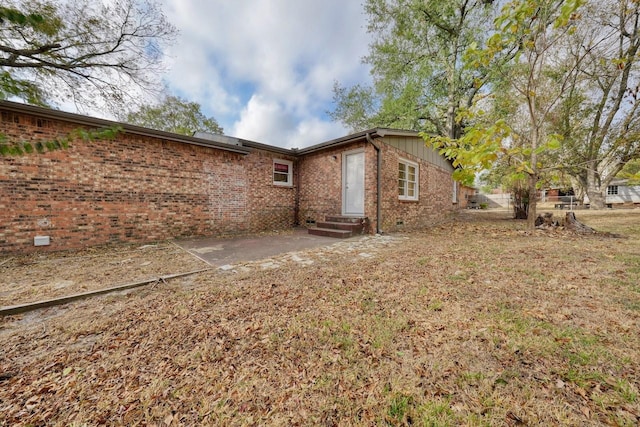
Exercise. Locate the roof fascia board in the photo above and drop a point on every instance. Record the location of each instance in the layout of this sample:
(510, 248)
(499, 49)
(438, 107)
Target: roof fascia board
(246, 147)
(220, 139)
(396, 132)
(132, 129)
(373, 133)
(340, 141)
(258, 146)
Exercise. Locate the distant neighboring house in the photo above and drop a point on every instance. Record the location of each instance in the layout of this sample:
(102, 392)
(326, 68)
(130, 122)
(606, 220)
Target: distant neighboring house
(620, 193)
(147, 185)
(468, 197)
(562, 198)
(555, 194)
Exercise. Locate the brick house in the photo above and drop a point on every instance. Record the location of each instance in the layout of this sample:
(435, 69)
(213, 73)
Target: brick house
(467, 196)
(147, 185)
(388, 176)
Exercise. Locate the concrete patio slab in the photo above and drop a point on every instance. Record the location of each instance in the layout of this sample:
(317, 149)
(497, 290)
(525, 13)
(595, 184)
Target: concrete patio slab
(220, 252)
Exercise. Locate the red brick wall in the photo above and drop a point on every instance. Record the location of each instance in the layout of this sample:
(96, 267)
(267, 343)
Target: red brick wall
(132, 189)
(371, 186)
(142, 188)
(271, 207)
(321, 189)
(435, 197)
(321, 182)
(464, 193)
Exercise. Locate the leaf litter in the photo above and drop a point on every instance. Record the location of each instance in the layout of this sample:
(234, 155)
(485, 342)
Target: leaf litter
(472, 322)
(34, 277)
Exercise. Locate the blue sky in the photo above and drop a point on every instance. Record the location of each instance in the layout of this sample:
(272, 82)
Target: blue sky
(265, 68)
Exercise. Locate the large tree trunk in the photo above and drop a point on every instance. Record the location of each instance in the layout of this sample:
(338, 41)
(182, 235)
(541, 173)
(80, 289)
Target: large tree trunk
(594, 190)
(533, 200)
(533, 175)
(597, 200)
(520, 202)
(571, 223)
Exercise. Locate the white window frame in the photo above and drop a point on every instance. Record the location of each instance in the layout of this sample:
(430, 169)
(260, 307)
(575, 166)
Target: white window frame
(612, 190)
(406, 181)
(289, 181)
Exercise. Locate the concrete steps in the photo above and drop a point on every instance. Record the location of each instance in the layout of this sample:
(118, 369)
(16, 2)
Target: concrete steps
(338, 226)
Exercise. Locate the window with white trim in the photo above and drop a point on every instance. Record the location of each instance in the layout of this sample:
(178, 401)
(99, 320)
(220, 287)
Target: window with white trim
(282, 172)
(612, 190)
(407, 180)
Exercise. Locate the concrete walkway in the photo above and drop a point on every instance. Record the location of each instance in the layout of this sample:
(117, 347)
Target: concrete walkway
(220, 252)
(248, 253)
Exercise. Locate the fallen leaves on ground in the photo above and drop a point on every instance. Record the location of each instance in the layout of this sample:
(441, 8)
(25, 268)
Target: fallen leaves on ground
(40, 276)
(471, 322)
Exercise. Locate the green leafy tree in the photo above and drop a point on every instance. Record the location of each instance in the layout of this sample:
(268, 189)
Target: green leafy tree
(90, 53)
(597, 115)
(175, 115)
(600, 114)
(18, 147)
(421, 80)
(536, 79)
(631, 171)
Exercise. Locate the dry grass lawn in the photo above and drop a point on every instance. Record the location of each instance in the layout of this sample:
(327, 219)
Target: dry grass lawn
(35, 277)
(475, 322)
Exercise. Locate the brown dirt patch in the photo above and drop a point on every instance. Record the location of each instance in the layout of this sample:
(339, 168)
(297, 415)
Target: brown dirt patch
(475, 322)
(42, 276)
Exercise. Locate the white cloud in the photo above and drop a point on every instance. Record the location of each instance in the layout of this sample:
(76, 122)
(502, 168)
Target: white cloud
(265, 68)
(314, 131)
(194, 77)
(265, 121)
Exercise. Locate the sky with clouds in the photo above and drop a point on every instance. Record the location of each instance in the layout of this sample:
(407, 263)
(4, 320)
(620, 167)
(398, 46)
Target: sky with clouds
(265, 69)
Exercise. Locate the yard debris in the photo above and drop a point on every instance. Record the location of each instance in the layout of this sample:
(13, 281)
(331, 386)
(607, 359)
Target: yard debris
(23, 308)
(36, 277)
(396, 338)
(571, 223)
(6, 261)
(514, 420)
(548, 222)
(6, 375)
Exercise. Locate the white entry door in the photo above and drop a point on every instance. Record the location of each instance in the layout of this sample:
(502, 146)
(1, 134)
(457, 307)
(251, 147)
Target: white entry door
(353, 183)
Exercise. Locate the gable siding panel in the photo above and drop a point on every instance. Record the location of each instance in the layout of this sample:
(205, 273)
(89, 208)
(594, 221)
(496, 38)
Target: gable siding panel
(417, 147)
(435, 191)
